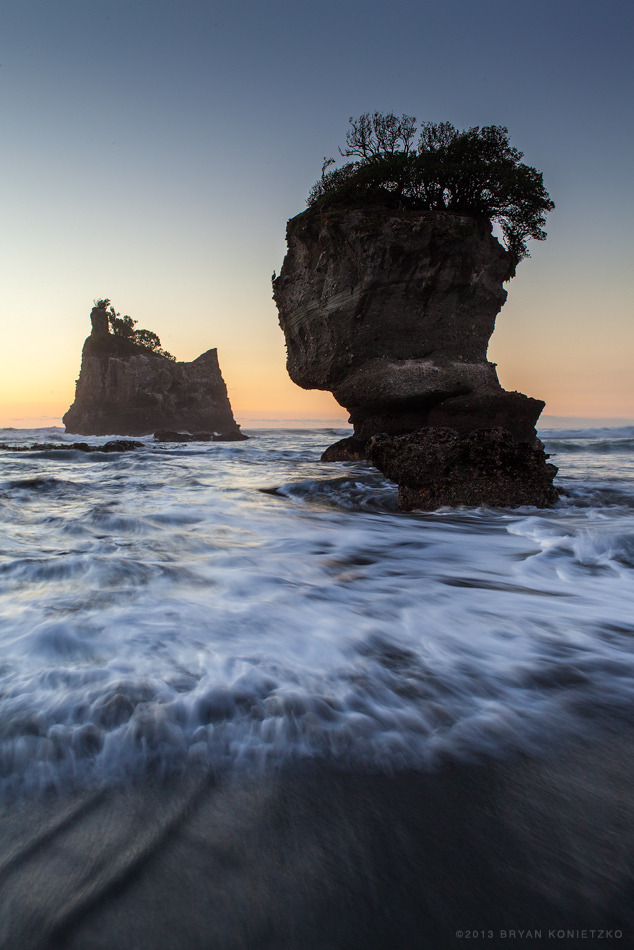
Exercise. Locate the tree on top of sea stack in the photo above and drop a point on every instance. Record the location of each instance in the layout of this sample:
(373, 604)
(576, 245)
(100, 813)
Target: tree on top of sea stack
(474, 172)
(108, 320)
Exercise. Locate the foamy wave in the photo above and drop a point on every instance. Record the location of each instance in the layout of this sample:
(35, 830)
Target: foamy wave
(597, 446)
(388, 710)
(592, 546)
(179, 609)
(368, 491)
(610, 433)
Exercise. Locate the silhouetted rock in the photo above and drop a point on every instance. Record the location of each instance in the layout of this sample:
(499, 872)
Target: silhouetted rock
(126, 388)
(230, 436)
(166, 435)
(116, 445)
(392, 312)
(439, 466)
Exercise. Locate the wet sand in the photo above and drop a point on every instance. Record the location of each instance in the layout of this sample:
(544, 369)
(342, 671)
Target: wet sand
(324, 858)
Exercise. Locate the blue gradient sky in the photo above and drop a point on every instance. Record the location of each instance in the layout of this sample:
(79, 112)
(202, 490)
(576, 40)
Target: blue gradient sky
(153, 151)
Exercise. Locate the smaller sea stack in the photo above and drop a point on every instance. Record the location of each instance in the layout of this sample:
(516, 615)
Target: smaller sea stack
(127, 387)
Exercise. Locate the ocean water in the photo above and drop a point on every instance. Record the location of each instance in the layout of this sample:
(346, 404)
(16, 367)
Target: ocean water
(236, 606)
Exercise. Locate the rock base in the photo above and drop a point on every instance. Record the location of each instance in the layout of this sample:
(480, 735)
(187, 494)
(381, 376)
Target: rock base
(345, 450)
(438, 466)
(116, 445)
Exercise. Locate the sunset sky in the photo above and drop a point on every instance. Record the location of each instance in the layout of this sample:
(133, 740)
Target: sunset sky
(154, 150)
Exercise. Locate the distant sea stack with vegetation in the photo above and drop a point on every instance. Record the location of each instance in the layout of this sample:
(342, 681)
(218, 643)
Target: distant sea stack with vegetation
(129, 385)
(388, 296)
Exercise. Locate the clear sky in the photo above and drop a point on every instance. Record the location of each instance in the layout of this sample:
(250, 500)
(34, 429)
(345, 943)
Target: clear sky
(153, 151)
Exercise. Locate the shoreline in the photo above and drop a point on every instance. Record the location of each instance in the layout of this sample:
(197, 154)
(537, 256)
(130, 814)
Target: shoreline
(317, 857)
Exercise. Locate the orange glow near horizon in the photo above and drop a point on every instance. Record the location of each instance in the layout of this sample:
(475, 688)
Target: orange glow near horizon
(272, 402)
(585, 375)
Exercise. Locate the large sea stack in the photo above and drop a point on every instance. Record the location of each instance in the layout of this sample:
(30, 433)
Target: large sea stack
(388, 297)
(129, 389)
(392, 311)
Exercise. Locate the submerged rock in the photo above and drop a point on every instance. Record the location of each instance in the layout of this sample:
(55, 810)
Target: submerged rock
(231, 436)
(116, 445)
(439, 466)
(345, 450)
(126, 388)
(165, 435)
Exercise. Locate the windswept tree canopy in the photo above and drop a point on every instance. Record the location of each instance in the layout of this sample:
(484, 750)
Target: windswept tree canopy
(123, 327)
(476, 172)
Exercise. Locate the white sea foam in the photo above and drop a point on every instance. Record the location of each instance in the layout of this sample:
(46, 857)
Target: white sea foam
(239, 604)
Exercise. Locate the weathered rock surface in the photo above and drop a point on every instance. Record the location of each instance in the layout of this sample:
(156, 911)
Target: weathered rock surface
(345, 450)
(439, 466)
(392, 312)
(127, 389)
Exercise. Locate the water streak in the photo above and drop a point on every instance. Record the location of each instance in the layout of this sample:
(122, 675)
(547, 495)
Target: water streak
(235, 604)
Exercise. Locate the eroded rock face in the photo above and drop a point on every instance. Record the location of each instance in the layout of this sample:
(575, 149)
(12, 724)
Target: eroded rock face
(439, 466)
(126, 389)
(392, 312)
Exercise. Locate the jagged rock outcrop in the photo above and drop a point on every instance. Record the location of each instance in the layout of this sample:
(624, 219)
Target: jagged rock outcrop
(127, 389)
(438, 466)
(392, 311)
